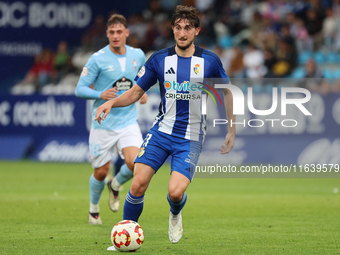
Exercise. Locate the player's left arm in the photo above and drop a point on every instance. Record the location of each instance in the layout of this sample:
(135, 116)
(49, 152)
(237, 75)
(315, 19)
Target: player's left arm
(127, 98)
(230, 137)
(229, 141)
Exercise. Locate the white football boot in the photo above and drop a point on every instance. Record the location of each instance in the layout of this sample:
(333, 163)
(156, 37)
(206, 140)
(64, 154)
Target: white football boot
(95, 220)
(175, 227)
(111, 248)
(114, 201)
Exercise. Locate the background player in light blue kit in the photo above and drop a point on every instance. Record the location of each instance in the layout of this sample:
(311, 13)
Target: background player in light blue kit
(111, 70)
(179, 129)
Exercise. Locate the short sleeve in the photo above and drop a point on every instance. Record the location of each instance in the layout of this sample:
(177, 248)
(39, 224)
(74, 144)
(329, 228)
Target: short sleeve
(220, 72)
(87, 77)
(90, 71)
(147, 75)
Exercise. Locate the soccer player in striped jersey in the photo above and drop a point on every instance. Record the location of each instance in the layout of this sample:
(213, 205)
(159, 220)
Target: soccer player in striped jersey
(111, 70)
(179, 128)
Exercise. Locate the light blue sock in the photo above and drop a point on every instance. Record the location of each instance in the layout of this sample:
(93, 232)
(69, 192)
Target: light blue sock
(96, 189)
(176, 207)
(124, 174)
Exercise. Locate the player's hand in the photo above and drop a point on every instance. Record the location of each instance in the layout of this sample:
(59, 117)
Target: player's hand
(109, 94)
(144, 99)
(228, 143)
(104, 108)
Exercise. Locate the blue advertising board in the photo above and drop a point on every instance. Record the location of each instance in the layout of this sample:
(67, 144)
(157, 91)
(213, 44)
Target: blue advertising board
(27, 121)
(29, 26)
(42, 116)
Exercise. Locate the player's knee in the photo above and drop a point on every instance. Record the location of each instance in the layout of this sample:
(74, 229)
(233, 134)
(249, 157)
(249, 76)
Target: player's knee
(101, 173)
(138, 188)
(175, 194)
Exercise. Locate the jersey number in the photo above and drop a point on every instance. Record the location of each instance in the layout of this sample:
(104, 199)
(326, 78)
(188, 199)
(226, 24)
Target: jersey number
(148, 137)
(94, 149)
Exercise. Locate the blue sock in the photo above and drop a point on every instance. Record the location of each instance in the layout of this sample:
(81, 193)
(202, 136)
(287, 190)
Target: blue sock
(124, 174)
(176, 207)
(96, 189)
(133, 207)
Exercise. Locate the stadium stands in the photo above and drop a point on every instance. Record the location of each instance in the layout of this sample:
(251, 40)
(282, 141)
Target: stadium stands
(234, 24)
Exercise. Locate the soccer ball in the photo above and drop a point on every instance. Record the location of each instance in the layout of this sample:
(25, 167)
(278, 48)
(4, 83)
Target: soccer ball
(127, 235)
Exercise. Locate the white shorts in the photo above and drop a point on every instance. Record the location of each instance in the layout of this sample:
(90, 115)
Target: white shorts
(102, 143)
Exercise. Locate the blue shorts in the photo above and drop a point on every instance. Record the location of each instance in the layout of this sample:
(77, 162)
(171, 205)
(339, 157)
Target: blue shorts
(158, 146)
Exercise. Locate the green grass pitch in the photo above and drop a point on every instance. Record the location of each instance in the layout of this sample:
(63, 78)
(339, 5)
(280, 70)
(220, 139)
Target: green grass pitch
(44, 210)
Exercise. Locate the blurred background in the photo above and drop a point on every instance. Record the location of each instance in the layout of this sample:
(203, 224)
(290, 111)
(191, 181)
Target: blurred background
(45, 44)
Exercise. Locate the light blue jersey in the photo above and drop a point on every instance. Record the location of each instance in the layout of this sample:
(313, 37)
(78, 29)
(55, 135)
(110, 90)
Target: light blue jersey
(105, 70)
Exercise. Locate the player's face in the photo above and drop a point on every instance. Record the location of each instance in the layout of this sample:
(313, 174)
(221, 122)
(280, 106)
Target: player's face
(117, 34)
(184, 34)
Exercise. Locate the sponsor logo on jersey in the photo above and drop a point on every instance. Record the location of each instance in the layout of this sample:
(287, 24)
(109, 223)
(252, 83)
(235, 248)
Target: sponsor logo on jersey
(110, 68)
(187, 87)
(123, 84)
(182, 87)
(182, 96)
(170, 71)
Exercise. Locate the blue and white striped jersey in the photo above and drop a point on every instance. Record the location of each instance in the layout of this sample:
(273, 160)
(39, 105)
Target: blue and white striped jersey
(105, 70)
(180, 80)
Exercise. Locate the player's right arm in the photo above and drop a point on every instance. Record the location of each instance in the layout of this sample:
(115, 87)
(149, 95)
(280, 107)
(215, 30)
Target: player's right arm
(127, 98)
(88, 76)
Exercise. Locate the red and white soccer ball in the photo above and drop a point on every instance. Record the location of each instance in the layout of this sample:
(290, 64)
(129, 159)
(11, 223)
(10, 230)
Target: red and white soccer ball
(127, 235)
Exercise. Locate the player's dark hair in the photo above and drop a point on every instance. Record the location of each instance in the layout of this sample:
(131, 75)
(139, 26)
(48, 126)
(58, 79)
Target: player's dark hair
(116, 19)
(186, 13)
